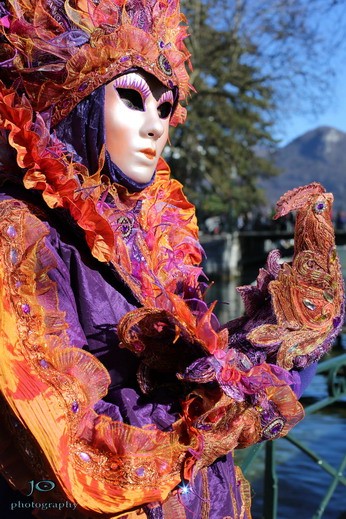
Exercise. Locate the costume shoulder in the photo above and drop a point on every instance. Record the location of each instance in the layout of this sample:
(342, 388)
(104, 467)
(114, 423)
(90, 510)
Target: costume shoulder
(49, 387)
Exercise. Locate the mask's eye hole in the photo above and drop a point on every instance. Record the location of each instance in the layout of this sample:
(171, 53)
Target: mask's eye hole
(164, 110)
(131, 98)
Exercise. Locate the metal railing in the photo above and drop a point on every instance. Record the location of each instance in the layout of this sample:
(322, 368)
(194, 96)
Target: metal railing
(334, 369)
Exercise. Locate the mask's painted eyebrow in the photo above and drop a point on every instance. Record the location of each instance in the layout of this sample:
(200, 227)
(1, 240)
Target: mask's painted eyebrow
(167, 96)
(133, 81)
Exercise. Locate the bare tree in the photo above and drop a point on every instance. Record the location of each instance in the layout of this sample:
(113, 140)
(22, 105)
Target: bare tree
(296, 44)
(254, 62)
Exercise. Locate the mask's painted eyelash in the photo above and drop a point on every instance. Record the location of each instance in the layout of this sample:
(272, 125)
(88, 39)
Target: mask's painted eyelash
(136, 84)
(166, 97)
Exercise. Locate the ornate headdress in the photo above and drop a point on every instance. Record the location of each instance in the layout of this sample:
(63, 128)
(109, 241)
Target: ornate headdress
(58, 52)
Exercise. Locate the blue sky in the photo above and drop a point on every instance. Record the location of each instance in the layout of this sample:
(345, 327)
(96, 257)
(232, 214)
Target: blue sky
(334, 115)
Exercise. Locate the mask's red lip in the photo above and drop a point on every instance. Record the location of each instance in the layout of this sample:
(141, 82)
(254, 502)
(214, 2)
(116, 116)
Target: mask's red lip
(148, 152)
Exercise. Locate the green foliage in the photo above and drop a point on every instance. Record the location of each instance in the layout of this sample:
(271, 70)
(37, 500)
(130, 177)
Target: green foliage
(215, 154)
(255, 63)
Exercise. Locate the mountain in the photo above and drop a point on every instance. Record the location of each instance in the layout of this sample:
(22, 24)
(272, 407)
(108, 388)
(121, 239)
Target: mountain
(318, 155)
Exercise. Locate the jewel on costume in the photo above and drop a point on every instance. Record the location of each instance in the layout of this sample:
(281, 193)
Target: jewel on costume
(164, 65)
(26, 308)
(84, 456)
(126, 225)
(309, 304)
(14, 258)
(83, 86)
(140, 472)
(11, 231)
(75, 407)
(319, 207)
(273, 429)
(328, 297)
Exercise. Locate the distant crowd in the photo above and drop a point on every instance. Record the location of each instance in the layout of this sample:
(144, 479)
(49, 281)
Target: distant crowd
(260, 221)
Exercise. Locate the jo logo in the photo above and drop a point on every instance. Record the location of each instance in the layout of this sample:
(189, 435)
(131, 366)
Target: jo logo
(41, 486)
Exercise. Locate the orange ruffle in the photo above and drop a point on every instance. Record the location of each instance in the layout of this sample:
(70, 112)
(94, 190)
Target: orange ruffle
(170, 258)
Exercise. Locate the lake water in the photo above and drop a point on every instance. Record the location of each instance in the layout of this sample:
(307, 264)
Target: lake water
(302, 483)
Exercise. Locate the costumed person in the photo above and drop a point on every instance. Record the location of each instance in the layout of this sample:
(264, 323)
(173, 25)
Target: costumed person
(121, 394)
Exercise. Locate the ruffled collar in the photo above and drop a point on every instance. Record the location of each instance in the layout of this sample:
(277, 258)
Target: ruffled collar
(150, 236)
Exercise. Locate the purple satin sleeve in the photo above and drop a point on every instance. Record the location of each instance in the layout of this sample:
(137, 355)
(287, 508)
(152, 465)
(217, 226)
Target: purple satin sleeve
(93, 307)
(303, 378)
(67, 304)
